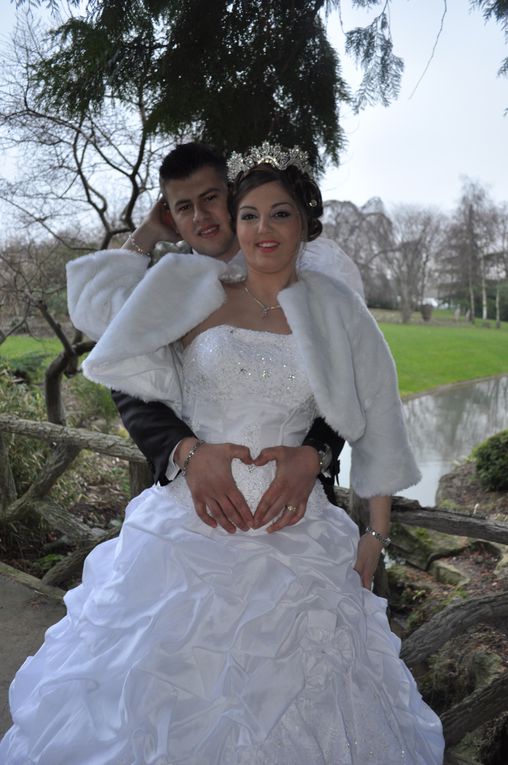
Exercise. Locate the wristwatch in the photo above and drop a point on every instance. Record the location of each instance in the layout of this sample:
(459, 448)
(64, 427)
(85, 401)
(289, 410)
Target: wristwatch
(324, 453)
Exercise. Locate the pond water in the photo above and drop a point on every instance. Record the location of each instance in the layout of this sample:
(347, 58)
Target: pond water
(445, 426)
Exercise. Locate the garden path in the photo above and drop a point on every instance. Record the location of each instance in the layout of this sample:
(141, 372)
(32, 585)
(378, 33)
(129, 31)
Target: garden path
(25, 615)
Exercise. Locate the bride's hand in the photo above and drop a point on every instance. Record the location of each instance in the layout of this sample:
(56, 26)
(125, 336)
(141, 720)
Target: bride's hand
(297, 470)
(216, 496)
(367, 558)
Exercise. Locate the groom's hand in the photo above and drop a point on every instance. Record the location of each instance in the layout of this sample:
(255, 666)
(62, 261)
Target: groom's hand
(297, 470)
(216, 497)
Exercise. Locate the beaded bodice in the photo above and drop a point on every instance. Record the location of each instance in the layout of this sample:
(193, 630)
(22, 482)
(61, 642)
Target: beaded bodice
(249, 388)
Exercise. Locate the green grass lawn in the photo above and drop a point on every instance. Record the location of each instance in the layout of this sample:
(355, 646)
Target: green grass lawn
(426, 355)
(19, 345)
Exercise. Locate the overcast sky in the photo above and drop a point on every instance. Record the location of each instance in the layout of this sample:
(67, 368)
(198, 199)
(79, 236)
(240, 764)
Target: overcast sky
(417, 149)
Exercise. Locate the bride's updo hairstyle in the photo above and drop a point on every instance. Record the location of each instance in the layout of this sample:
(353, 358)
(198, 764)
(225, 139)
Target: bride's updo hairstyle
(290, 168)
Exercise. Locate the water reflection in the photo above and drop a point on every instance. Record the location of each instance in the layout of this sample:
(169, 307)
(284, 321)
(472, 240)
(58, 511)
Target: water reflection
(445, 426)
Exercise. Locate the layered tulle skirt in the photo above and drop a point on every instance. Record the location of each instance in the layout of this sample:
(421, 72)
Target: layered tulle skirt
(185, 645)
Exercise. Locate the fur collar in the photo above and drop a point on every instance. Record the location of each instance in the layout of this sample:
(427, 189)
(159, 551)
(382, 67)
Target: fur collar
(179, 292)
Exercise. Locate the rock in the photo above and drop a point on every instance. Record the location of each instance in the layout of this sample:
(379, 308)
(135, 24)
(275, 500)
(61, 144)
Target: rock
(420, 547)
(448, 574)
(494, 548)
(461, 491)
(461, 756)
(501, 553)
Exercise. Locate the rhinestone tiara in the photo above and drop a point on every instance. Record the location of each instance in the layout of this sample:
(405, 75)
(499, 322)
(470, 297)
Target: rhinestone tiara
(269, 154)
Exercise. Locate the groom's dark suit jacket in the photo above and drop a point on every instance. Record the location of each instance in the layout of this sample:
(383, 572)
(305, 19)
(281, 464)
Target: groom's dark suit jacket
(156, 429)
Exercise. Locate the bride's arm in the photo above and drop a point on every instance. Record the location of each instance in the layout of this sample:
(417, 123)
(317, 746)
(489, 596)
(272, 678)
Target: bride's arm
(370, 545)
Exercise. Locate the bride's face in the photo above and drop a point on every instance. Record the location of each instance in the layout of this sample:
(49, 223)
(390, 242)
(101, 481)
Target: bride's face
(269, 228)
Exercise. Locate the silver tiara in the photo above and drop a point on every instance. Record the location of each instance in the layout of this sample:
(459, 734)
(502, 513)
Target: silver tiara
(268, 154)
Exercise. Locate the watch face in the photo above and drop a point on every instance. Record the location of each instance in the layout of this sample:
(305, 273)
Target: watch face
(325, 458)
(324, 453)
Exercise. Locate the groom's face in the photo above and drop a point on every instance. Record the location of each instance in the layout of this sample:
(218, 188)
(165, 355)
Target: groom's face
(199, 208)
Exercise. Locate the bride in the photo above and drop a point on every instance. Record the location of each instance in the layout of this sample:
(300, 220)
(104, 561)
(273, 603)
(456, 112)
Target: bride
(186, 645)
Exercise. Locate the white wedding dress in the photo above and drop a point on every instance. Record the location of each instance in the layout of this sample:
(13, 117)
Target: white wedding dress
(185, 645)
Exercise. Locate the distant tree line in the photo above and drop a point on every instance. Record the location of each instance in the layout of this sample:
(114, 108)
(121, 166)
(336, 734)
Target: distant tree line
(413, 254)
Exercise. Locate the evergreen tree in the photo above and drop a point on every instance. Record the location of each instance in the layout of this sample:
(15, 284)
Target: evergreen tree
(230, 72)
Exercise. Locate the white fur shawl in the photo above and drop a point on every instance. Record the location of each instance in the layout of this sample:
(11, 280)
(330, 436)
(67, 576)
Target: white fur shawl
(99, 284)
(350, 367)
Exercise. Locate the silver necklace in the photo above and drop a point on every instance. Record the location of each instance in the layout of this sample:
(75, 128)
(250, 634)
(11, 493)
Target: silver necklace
(266, 308)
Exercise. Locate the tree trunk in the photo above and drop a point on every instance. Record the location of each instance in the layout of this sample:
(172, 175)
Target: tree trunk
(476, 709)
(406, 314)
(484, 290)
(27, 580)
(56, 464)
(498, 312)
(452, 621)
(71, 566)
(65, 363)
(140, 477)
(405, 305)
(64, 522)
(55, 409)
(8, 491)
(102, 443)
(470, 255)
(471, 304)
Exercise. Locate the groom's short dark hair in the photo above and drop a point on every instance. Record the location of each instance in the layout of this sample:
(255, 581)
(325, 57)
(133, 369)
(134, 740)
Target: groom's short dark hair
(189, 157)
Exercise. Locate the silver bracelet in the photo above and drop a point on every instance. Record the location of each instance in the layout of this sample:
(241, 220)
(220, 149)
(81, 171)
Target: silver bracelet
(385, 541)
(190, 455)
(135, 246)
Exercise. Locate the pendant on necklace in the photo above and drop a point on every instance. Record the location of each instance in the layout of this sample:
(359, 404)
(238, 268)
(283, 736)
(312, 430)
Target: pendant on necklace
(265, 309)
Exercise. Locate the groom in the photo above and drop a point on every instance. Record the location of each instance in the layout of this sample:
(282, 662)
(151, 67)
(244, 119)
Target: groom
(194, 209)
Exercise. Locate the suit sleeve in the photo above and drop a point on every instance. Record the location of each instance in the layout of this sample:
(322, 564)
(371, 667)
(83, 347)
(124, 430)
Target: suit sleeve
(154, 428)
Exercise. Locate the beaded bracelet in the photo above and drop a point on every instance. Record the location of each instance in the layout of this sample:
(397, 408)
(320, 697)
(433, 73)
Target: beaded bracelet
(135, 246)
(385, 541)
(190, 455)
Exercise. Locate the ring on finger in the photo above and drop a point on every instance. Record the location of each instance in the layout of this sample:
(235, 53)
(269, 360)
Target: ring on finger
(290, 508)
